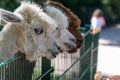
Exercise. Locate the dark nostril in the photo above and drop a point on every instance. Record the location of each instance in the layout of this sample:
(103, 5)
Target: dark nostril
(58, 47)
(73, 39)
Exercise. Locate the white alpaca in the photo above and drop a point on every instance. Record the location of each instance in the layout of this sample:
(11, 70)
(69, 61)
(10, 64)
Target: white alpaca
(28, 30)
(64, 37)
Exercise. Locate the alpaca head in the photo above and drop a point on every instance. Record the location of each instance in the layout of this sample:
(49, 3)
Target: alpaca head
(74, 22)
(35, 30)
(63, 36)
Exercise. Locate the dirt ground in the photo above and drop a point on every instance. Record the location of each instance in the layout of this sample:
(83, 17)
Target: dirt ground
(109, 50)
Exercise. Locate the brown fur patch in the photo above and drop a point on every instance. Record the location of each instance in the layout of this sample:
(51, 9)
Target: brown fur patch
(74, 24)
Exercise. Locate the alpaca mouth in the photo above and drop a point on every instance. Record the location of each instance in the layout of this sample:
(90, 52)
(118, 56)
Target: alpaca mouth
(54, 53)
(69, 46)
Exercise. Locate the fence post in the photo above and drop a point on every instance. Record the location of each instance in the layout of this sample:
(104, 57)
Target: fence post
(85, 62)
(17, 68)
(24, 68)
(46, 65)
(94, 54)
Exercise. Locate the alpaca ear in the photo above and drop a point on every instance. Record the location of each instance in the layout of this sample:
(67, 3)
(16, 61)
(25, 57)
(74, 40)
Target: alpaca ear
(3, 22)
(9, 16)
(57, 14)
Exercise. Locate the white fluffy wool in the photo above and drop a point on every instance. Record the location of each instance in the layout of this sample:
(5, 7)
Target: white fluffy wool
(57, 15)
(20, 36)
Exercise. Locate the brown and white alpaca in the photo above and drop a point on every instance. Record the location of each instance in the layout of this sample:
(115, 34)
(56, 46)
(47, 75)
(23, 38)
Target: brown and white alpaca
(63, 36)
(28, 30)
(56, 11)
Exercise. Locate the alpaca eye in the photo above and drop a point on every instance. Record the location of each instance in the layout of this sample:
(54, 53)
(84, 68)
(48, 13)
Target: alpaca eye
(38, 30)
(57, 28)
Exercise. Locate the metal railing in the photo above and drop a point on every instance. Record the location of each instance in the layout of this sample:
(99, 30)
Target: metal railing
(78, 66)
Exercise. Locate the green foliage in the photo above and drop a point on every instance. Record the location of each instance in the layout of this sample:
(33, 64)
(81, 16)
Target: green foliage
(9, 4)
(84, 9)
(112, 8)
(89, 2)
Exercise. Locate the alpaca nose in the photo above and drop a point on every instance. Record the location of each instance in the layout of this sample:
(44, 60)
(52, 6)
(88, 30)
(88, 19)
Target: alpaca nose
(73, 39)
(58, 48)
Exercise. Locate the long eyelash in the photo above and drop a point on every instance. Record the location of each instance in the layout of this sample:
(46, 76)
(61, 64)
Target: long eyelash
(55, 30)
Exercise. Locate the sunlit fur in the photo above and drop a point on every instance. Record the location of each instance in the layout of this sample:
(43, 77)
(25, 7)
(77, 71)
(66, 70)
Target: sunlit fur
(20, 35)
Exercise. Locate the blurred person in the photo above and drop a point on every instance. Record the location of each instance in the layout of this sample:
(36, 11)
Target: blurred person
(97, 21)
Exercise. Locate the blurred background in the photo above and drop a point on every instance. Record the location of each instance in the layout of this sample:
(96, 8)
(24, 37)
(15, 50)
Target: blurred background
(82, 8)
